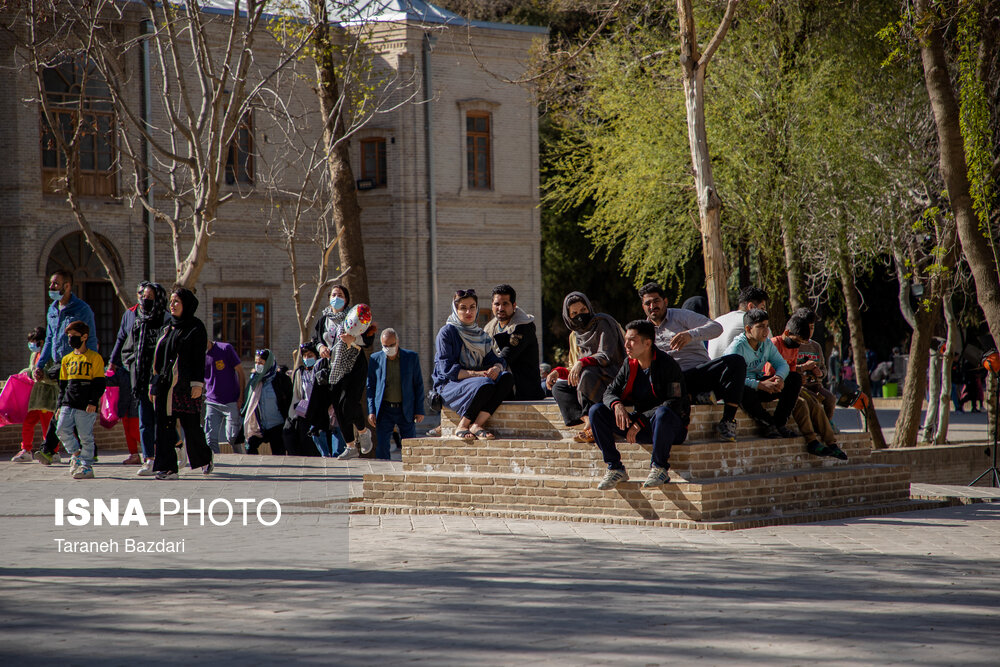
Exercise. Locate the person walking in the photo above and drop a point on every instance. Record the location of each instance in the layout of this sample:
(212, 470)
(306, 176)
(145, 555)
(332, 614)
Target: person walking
(42, 402)
(395, 393)
(137, 356)
(65, 308)
(177, 386)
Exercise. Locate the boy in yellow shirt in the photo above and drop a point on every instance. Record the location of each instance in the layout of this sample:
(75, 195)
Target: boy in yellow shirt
(81, 384)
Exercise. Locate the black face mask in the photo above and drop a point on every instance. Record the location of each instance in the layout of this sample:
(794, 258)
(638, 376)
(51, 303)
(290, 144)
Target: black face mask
(583, 319)
(76, 342)
(147, 305)
(791, 343)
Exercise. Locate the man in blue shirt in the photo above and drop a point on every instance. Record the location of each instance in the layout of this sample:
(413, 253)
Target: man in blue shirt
(65, 308)
(757, 350)
(395, 392)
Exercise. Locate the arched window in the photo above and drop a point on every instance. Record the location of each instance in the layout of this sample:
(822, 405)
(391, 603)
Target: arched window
(90, 282)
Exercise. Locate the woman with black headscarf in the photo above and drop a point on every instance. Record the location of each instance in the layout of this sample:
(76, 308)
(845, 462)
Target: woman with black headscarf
(137, 356)
(600, 350)
(177, 385)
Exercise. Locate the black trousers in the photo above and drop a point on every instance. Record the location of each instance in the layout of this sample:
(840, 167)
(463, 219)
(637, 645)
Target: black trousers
(346, 397)
(298, 442)
(489, 397)
(273, 436)
(568, 400)
(753, 400)
(198, 451)
(726, 376)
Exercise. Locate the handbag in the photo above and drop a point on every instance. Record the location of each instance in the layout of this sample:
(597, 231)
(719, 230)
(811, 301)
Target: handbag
(108, 406)
(435, 400)
(14, 399)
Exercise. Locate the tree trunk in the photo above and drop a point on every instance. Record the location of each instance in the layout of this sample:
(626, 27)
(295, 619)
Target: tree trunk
(853, 309)
(933, 419)
(344, 194)
(796, 284)
(928, 317)
(693, 67)
(978, 251)
(905, 308)
(951, 350)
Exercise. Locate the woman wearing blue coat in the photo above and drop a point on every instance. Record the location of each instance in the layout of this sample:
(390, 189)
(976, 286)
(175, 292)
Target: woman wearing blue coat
(468, 373)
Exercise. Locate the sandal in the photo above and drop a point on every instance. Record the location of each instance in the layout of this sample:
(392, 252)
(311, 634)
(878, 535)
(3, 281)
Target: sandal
(465, 434)
(485, 435)
(586, 435)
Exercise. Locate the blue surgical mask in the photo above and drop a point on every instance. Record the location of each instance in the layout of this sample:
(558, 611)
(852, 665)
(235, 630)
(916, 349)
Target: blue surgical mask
(55, 295)
(337, 303)
(309, 362)
(33, 347)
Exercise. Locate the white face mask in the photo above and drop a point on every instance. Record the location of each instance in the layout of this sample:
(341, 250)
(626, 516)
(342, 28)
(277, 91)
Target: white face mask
(258, 368)
(390, 351)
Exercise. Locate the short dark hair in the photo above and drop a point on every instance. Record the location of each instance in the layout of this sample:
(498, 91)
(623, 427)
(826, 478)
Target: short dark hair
(78, 326)
(807, 314)
(507, 290)
(576, 298)
(37, 335)
(67, 276)
(798, 325)
(644, 328)
(465, 294)
(751, 294)
(651, 288)
(754, 316)
(347, 294)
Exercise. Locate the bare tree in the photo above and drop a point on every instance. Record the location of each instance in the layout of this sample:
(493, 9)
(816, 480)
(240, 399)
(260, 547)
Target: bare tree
(176, 155)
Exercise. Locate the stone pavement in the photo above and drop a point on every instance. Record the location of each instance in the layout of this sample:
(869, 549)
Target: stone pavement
(916, 588)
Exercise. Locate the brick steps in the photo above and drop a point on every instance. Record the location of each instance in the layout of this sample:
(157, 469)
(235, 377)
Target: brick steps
(695, 460)
(724, 498)
(834, 514)
(533, 470)
(540, 420)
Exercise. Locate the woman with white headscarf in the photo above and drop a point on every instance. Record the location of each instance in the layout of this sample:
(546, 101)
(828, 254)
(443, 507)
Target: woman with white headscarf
(468, 374)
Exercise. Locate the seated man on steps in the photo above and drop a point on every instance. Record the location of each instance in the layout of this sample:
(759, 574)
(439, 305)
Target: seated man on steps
(652, 382)
(680, 334)
(513, 330)
(749, 298)
(757, 350)
(808, 412)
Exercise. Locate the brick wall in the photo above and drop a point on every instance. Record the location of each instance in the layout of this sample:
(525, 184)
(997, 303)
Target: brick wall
(941, 464)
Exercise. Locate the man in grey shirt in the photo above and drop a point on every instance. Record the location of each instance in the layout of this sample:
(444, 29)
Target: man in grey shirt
(681, 334)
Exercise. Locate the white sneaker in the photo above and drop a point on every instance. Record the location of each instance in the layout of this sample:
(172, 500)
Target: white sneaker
(56, 458)
(74, 464)
(182, 457)
(23, 456)
(146, 470)
(348, 453)
(365, 440)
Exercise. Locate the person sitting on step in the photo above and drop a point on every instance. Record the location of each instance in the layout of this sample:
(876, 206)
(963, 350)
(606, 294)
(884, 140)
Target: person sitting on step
(597, 348)
(653, 384)
(680, 334)
(756, 348)
(468, 373)
(749, 298)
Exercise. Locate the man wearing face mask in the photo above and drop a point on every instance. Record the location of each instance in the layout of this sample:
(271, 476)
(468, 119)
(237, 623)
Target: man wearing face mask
(128, 407)
(224, 384)
(395, 393)
(808, 412)
(65, 308)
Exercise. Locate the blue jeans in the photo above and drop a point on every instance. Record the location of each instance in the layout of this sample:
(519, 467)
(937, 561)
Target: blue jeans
(83, 421)
(325, 439)
(389, 416)
(215, 413)
(147, 427)
(664, 431)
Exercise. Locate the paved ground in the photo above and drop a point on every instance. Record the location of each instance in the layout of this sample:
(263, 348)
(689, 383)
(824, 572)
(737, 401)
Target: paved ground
(916, 588)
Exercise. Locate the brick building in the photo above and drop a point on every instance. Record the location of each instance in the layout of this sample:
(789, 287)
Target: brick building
(461, 168)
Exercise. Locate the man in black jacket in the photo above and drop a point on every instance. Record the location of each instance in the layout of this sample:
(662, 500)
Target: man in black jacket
(653, 383)
(513, 330)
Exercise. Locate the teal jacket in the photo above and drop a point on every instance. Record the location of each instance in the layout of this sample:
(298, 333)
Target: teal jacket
(765, 353)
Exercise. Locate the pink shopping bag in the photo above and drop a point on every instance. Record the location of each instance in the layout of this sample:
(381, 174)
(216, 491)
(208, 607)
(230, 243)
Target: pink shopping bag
(14, 399)
(109, 405)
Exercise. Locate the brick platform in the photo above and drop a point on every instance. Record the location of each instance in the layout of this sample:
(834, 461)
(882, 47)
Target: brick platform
(535, 470)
